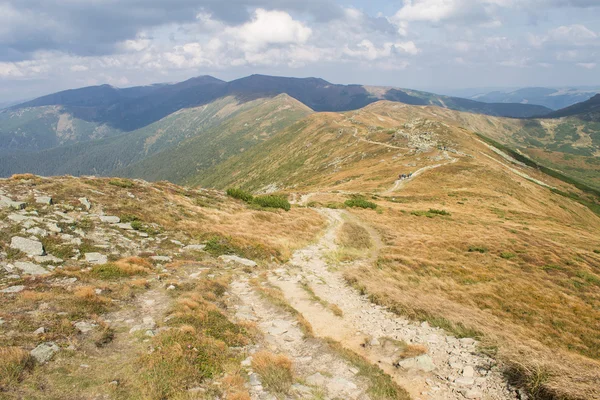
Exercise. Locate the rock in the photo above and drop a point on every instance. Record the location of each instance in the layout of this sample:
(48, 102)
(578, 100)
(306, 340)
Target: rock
(85, 202)
(110, 219)
(468, 371)
(463, 381)
(96, 258)
(38, 232)
(47, 259)
(52, 227)
(44, 352)
(278, 327)
(239, 260)
(27, 246)
(194, 247)
(161, 258)
(337, 385)
(125, 225)
(18, 218)
(148, 324)
(84, 327)
(43, 200)
(13, 289)
(423, 363)
(247, 362)
(30, 268)
(39, 331)
(467, 341)
(473, 394)
(374, 342)
(254, 380)
(316, 379)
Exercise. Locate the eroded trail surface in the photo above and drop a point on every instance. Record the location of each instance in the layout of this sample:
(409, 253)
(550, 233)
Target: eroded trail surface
(444, 367)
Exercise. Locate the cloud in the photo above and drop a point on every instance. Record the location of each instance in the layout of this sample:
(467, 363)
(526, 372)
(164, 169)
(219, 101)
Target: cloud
(270, 27)
(587, 65)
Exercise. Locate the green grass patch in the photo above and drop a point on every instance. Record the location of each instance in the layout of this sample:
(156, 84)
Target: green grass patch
(272, 201)
(122, 183)
(478, 249)
(507, 255)
(359, 202)
(240, 194)
(432, 212)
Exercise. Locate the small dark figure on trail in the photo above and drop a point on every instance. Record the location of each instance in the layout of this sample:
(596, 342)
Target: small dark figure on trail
(410, 175)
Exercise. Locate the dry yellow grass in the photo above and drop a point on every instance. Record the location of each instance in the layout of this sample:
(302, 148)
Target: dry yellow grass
(275, 371)
(13, 363)
(354, 236)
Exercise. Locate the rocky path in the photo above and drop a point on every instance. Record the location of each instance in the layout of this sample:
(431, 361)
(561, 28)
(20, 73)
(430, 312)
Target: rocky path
(450, 368)
(398, 184)
(324, 374)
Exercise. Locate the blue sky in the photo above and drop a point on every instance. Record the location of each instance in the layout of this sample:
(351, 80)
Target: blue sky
(49, 45)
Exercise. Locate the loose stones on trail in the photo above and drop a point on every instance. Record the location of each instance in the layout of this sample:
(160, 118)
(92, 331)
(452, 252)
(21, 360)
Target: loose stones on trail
(27, 246)
(43, 200)
(13, 289)
(239, 260)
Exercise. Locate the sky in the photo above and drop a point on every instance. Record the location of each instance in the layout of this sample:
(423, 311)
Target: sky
(51, 45)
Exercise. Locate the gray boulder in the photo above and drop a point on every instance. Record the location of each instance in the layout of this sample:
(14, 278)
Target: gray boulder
(44, 352)
(43, 200)
(239, 260)
(110, 219)
(30, 268)
(96, 258)
(27, 246)
(422, 363)
(13, 289)
(85, 203)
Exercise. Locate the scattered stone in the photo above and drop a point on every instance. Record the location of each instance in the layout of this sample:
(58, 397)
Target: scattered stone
(39, 331)
(236, 259)
(171, 287)
(52, 227)
(43, 200)
(44, 352)
(13, 289)
(468, 371)
(85, 202)
(30, 268)
(161, 258)
(423, 363)
(247, 362)
(194, 247)
(148, 324)
(473, 394)
(374, 342)
(463, 381)
(110, 219)
(125, 225)
(38, 232)
(47, 259)
(96, 258)
(84, 327)
(254, 380)
(338, 384)
(316, 379)
(27, 246)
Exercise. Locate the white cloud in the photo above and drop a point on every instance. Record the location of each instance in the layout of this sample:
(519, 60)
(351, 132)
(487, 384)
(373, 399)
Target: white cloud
(587, 65)
(79, 68)
(270, 27)
(576, 33)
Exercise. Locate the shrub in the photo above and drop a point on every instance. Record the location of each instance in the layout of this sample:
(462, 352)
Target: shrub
(360, 203)
(432, 212)
(477, 249)
(271, 201)
(275, 371)
(239, 194)
(597, 251)
(507, 255)
(122, 183)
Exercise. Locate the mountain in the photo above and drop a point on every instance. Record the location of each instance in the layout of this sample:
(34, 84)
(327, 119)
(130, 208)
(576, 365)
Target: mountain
(588, 110)
(553, 98)
(413, 219)
(225, 125)
(99, 112)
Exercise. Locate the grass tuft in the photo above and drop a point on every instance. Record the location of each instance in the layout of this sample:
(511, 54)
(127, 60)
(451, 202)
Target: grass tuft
(275, 371)
(14, 362)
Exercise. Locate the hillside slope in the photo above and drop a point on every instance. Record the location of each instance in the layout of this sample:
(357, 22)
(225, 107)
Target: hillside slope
(524, 244)
(97, 112)
(103, 157)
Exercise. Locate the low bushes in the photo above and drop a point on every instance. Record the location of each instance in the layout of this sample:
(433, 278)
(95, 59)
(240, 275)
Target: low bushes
(360, 203)
(275, 371)
(266, 201)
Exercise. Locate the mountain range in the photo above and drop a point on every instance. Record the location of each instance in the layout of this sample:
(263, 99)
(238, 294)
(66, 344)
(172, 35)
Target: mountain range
(553, 98)
(181, 132)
